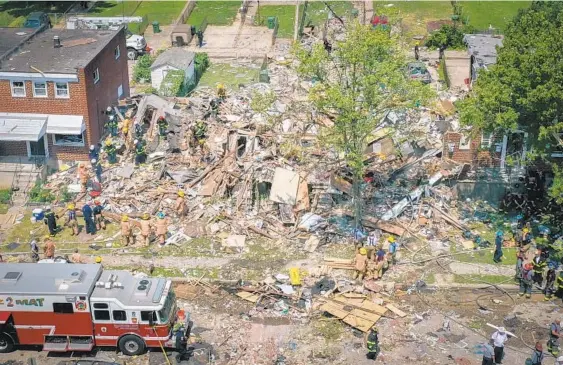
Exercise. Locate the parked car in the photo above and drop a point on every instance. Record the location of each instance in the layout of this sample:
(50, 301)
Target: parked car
(418, 71)
(37, 19)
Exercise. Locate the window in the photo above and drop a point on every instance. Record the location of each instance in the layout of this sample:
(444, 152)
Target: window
(96, 76)
(145, 315)
(120, 91)
(69, 140)
(63, 308)
(119, 316)
(61, 90)
(101, 305)
(18, 88)
(486, 139)
(39, 89)
(117, 52)
(101, 315)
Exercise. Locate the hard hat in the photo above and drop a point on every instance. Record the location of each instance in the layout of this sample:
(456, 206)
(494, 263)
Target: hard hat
(181, 193)
(81, 164)
(71, 206)
(47, 237)
(124, 218)
(363, 251)
(93, 160)
(108, 142)
(97, 202)
(108, 109)
(111, 117)
(160, 215)
(48, 208)
(501, 329)
(519, 216)
(500, 233)
(98, 260)
(136, 141)
(146, 216)
(161, 118)
(525, 230)
(528, 266)
(391, 239)
(92, 147)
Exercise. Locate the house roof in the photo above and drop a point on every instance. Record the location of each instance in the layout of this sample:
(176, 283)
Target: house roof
(176, 57)
(483, 47)
(79, 48)
(12, 37)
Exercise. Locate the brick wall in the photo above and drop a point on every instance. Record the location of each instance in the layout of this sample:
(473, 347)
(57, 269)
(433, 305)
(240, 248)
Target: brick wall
(474, 155)
(13, 148)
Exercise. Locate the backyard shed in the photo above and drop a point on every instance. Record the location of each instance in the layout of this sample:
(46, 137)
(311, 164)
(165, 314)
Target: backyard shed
(174, 59)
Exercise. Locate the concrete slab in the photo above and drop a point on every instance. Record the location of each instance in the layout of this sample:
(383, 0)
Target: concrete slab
(458, 68)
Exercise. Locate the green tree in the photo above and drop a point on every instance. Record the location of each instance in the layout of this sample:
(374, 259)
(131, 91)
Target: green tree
(523, 90)
(448, 36)
(354, 85)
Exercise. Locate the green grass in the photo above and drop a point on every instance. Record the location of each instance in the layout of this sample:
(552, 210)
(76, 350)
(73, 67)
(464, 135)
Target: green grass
(318, 13)
(286, 18)
(216, 12)
(165, 12)
(230, 76)
(486, 257)
(475, 279)
(14, 13)
(482, 14)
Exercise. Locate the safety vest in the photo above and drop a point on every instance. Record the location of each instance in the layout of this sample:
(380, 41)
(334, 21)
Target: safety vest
(372, 342)
(538, 266)
(110, 149)
(560, 281)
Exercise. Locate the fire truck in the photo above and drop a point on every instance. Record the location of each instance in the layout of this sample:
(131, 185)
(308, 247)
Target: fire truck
(74, 307)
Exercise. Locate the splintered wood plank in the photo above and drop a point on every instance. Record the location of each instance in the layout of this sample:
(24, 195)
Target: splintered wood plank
(374, 307)
(248, 296)
(396, 310)
(357, 322)
(365, 315)
(335, 311)
(353, 295)
(357, 302)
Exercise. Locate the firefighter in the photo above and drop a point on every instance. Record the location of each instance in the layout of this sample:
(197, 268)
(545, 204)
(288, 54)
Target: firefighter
(145, 229)
(88, 219)
(538, 264)
(162, 126)
(199, 38)
(221, 92)
(71, 221)
(559, 285)
(138, 130)
(360, 263)
(554, 333)
(126, 231)
(76, 258)
(181, 204)
(83, 176)
(112, 126)
(549, 283)
(51, 221)
(372, 343)
(499, 239)
(161, 228)
(125, 126)
(416, 51)
(111, 152)
(93, 153)
(200, 131)
(140, 152)
(99, 219)
(49, 248)
(34, 251)
(526, 281)
(392, 250)
(97, 169)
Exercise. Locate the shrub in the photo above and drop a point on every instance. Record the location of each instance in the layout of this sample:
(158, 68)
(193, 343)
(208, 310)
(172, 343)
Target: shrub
(38, 194)
(448, 36)
(142, 69)
(173, 83)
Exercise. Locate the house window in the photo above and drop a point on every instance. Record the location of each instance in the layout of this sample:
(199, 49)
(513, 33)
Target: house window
(117, 52)
(61, 90)
(119, 316)
(39, 89)
(101, 315)
(63, 308)
(96, 76)
(486, 139)
(18, 88)
(68, 140)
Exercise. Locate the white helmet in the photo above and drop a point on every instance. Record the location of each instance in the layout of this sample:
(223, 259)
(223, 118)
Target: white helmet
(93, 160)
(560, 358)
(48, 208)
(111, 117)
(108, 109)
(92, 147)
(136, 141)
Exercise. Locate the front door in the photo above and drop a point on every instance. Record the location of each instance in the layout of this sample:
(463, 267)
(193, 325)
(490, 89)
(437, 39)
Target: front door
(37, 149)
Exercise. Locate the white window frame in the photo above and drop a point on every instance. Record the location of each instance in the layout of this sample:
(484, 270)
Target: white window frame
(18, 87)
(120, 91)
(35, 95)
(57, 96)
(96, 75)
(117, 52)
(70, 144)
(486, 142)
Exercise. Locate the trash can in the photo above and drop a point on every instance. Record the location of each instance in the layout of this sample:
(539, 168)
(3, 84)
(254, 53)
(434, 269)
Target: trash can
(271, 22)
(155, 27)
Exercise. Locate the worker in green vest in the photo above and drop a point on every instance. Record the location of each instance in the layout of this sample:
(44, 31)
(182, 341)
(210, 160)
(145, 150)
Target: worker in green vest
(372, 343)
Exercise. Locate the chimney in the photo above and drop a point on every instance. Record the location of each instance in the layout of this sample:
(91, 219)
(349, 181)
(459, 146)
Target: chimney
(56, 42)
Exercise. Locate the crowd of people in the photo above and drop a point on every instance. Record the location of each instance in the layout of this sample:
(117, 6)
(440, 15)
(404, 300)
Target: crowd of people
(371, 259)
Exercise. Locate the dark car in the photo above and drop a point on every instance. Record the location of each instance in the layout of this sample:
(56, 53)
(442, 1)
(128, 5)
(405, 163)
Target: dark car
(37, 19)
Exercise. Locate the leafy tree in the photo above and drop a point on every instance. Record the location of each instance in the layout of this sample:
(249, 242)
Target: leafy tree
(448, 36)
(523, 90)
(354, 85)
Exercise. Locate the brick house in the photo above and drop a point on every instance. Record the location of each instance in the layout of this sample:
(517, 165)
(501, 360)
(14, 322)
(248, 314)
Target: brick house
(54, 91)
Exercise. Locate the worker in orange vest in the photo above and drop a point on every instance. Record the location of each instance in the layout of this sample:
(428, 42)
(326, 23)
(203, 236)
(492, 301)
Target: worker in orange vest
(83, 175)
(49, 248)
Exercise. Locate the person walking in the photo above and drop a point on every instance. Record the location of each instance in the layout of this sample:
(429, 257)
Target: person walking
(488, 353)
(554, 333)
(145, 229)
(393, 250)
(51, 221)
(537, 356)
(180, 204)
(499, 239)
(526, 281)
(71, 220)
(161, 228)
(499, 338)
(126, 231)
(88, 219)
(99, 219)
(372, 344)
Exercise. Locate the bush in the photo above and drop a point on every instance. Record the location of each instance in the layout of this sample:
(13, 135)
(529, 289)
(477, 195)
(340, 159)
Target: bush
(64, 195)
(173, 83)
(201, 64)
(142, 69)
(38, 194)
(448, 36)
(5, 195)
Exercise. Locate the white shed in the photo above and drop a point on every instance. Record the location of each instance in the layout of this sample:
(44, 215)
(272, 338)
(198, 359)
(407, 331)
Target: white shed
(172, 59)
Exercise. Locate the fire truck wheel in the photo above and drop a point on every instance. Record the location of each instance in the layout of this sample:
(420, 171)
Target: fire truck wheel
(6, 343)
(131, 345)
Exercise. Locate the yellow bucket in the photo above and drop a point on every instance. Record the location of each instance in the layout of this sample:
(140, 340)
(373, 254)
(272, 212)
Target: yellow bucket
(294, 276)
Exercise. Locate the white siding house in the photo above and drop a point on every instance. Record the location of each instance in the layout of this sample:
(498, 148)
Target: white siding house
(172, 59)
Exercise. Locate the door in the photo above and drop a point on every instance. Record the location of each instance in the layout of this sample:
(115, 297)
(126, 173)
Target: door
(37, 149)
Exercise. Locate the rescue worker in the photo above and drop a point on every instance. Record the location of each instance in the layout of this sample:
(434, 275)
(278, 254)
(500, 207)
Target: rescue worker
(97, 169)
(83, 175)
(88, 219)
(98, 260)
(140, 152)
(380, 262)
(519, 262)
(162, 126)
(112, 125)
(199, 38)
(360, 263)
(71, 221)
(498, 247)
(76, 258)
(125, 126)
(538, 264)
(145, 229)
(526, 281)
(221, 92)
(537, 356)
(372, 268)
(549, 288)
(392, 250)
(111, 152)
(371, 243)
(161, 228)
(99, 219)
(181, 346)
(51, 221)
(138, 130)
(372, 343)
(49, 248)
(488, 353)
(499, 338)
(181, 204)
(93, 153)
(559, 285)
(34, 251)
(526, 236)
(200, 131)
(126, 231)
(416, 51)
(554, 333)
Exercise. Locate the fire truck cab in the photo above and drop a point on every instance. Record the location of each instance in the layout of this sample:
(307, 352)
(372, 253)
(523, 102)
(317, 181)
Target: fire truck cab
(74, 307)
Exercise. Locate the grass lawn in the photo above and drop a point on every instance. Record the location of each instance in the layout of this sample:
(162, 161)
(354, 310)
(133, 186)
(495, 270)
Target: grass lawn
(229, 75)
(14, 13)
(475, 279)
(165, 12)
(217, 12)
(317, 12)
(482, 14)
(486, 257)
(286, 18)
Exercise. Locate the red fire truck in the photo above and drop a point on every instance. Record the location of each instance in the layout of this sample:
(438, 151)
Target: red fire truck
(74, 307)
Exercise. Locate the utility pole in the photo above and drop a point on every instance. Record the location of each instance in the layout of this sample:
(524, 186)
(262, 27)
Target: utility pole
(296, 21)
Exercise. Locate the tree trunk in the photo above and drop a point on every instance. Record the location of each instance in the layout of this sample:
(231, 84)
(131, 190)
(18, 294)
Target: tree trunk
(358, 202)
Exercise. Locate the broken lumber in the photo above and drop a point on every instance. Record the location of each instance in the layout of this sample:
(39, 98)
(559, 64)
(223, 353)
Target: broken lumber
(260, 231)
(207, 171)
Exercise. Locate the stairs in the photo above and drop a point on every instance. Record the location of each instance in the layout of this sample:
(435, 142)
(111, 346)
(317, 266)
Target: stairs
(24, 175)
